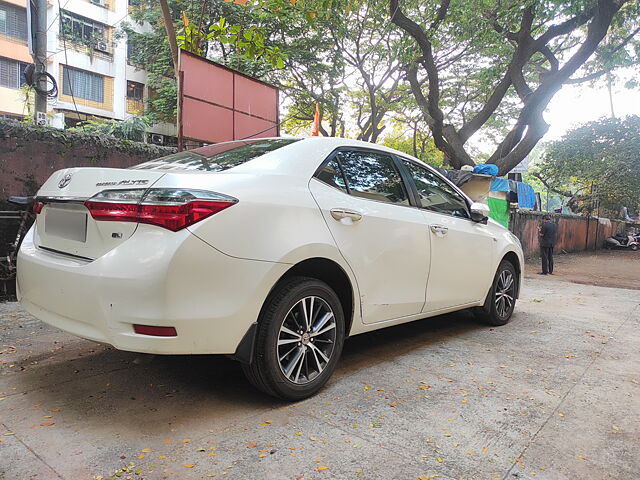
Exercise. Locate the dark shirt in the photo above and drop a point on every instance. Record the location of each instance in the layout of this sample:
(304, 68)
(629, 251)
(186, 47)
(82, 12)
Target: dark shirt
(548, 234)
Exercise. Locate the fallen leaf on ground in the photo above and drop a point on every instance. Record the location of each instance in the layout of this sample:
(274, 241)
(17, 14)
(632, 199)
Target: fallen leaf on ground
(251, 445)
(188, 465)
(394, 404)
(322, 467)
(47, 424)
(146, 450)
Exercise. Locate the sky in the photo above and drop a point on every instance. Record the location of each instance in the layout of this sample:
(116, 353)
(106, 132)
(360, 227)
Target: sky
(576, 104)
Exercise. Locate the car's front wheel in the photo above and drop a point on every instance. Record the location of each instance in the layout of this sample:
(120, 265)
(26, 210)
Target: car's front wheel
(299, 339)
(501, 299)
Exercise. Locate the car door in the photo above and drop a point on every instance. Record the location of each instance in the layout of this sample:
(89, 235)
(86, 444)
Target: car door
(461, 249)
(366, 206)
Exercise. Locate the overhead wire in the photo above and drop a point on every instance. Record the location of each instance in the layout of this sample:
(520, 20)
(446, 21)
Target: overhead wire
(66, 61)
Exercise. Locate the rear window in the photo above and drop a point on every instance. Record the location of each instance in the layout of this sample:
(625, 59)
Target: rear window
(217, 157)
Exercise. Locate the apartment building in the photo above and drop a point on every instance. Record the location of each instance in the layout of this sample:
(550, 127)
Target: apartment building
(89, 63)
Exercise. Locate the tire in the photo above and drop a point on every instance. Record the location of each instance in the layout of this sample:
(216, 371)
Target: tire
(313, 355)
(634, 247)
(496, 310)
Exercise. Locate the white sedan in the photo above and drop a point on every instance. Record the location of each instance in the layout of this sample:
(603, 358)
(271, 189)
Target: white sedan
(271, 250)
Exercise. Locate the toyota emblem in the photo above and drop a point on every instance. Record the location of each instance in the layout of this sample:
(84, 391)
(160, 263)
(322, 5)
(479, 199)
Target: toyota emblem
(64, 181)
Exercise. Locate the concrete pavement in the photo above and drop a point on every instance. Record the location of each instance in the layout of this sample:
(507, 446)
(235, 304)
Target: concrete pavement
(555, 394)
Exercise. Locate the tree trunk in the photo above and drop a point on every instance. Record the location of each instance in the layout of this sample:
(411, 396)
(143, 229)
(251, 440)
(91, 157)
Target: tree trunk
(171, 34)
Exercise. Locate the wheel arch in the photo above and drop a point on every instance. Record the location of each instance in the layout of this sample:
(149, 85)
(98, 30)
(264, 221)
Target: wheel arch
(512, 257)
(320, 268)
(333, 275)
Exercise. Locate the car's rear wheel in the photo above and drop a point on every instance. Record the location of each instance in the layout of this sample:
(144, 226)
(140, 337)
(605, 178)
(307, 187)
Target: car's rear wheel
(299, 339)
(501, 299)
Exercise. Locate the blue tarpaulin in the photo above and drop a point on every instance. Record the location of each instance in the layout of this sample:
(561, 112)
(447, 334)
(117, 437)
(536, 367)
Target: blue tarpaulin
(499, 185)
(526, 196)
(486, 169)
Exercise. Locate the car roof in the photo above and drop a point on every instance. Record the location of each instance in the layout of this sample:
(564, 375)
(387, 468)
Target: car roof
(301, 157)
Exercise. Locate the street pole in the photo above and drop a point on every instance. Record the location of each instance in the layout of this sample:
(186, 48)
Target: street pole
(40, 60)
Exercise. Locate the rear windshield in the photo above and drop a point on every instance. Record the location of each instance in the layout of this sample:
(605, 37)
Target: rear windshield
(216, 157)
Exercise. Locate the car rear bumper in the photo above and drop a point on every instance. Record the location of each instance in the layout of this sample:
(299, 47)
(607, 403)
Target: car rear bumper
(157, 278)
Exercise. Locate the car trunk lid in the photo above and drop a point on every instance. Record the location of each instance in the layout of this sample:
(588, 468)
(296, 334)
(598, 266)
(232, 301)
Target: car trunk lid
(64, 224)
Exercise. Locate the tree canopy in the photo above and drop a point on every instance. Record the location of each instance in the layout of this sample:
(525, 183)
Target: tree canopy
(598, 161)
(479, 65)
(448, 71)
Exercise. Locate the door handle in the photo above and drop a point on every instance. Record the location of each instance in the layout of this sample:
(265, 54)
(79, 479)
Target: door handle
(439, 230)
(341, 214)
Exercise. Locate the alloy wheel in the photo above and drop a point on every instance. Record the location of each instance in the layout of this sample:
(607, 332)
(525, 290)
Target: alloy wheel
(306, 340)
(504, 297)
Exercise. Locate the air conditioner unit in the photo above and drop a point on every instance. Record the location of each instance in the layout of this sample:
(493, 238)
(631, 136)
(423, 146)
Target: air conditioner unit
(102, 46)
(98, 2)
(41, 119)
(157, 139)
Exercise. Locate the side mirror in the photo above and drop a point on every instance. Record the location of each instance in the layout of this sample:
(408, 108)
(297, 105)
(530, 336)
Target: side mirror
(479, 212)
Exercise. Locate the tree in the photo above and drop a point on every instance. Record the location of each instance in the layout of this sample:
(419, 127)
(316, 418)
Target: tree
(408, 135)
(598, 161)
(370, 47)
(477, 63)
(229, 33)
(132, 128)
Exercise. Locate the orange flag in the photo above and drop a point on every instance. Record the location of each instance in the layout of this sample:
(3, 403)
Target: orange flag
(316, 122)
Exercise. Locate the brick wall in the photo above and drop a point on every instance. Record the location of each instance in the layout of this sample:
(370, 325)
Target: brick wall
(575, 233)
(29, 155)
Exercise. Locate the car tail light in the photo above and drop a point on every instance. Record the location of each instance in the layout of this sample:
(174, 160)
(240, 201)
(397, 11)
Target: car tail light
(37, 207)
(155, 331)
(170, 208)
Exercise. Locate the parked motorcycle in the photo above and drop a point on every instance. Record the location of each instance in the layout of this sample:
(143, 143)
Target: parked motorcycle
(620, 240)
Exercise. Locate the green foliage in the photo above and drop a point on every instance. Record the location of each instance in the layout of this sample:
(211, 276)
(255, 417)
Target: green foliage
(597, 161)
(479, 47)
(414, 141)
(133, 128)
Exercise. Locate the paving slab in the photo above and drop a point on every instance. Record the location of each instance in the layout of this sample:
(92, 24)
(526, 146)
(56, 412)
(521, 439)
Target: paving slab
(555, 394)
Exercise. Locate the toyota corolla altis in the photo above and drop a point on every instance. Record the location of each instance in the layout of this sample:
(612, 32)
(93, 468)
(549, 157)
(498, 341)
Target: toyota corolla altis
(272, 251)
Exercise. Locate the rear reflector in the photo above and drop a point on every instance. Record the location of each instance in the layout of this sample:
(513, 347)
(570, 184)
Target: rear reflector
(173, 209)
(155, 331)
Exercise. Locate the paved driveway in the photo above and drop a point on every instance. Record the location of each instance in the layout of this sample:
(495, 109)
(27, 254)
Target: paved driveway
(555, 394)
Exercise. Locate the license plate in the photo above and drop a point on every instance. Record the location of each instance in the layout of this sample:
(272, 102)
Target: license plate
(66, 224)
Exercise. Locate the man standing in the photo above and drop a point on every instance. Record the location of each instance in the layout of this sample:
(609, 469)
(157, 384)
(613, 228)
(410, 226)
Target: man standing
(548, 233)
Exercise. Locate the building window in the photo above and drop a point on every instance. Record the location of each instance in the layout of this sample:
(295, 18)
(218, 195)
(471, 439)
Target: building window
(11, 73)
(135, 91)
(81, 84)
(134, 44)
(13, 21)
(84, 31)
